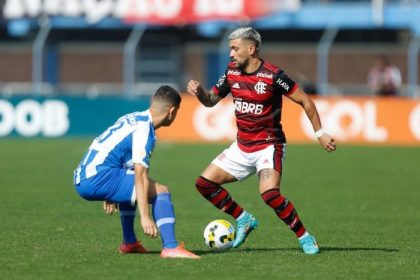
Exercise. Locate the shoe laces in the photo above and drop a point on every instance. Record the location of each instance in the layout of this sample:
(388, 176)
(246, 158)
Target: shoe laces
(308, 241)
(244, 221)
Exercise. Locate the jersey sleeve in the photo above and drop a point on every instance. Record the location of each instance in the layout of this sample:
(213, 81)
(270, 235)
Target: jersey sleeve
(222, 88)
(284, 84)
(140, 153)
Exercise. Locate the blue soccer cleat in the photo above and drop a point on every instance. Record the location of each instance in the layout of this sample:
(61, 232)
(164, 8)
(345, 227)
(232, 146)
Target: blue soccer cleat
(309, 245)
(245, 226)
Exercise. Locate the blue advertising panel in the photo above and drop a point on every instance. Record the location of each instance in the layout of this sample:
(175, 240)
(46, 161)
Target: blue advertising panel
(63, 116)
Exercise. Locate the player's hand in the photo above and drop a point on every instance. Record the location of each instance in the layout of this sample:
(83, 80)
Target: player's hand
(149, 227)
(110, 207)
(193, 87)
(327, 142)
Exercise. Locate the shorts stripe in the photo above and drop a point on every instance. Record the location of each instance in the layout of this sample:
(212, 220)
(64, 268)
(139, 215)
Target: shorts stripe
(278, 157)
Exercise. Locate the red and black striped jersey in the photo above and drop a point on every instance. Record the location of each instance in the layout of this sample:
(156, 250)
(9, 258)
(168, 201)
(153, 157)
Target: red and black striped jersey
(258, 104)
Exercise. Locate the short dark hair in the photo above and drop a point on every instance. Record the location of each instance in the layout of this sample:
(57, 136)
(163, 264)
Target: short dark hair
(167, 94)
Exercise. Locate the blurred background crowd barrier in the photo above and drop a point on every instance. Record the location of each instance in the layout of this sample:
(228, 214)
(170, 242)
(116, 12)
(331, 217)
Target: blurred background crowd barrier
(122, 50)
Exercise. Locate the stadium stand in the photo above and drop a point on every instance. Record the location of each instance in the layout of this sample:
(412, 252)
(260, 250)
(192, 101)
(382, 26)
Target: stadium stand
(333, 43)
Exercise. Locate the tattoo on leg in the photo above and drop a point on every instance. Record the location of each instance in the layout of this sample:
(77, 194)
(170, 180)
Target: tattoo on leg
(265, 174)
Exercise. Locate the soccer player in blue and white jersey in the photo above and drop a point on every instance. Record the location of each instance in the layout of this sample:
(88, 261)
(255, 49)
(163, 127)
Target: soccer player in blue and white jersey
(115, 170)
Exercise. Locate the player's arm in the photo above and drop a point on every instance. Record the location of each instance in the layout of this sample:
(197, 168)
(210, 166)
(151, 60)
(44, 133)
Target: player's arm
(301, 98)
(208, 99)
(142, 185)
(141, 157)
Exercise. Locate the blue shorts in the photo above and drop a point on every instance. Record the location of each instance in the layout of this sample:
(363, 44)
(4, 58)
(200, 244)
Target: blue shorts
(114, 184)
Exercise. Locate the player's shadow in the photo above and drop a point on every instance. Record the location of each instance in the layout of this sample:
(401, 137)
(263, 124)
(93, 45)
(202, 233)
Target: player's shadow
(295, 249)
(198, 252)
(386, 250)
(327, 249)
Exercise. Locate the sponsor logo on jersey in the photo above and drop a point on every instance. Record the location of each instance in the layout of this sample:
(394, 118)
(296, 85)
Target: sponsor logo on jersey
(260, 87)
(221, 80)
(234, 72)
(236, 85)
(282, 84)
(247, 107)
(265, 75)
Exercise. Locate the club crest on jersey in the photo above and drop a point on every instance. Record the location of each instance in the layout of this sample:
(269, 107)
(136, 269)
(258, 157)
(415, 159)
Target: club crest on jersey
(260, 87)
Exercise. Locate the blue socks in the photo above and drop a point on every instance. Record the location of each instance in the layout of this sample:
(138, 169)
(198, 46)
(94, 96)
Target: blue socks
(127, 214)
(164, 216)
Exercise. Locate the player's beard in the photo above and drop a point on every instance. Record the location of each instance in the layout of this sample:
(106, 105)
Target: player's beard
(242, 66)
(167, 122)
(235, 64)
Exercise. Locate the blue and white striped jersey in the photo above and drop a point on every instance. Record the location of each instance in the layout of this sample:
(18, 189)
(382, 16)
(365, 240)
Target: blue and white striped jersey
(131, 139)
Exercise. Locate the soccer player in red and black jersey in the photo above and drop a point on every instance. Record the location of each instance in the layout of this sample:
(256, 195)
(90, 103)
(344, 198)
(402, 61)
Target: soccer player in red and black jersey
(257, 88)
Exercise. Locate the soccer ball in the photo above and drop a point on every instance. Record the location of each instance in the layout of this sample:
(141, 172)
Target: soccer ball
(219, 234)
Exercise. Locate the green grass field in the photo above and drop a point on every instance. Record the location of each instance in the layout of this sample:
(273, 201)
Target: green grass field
(362, 204)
